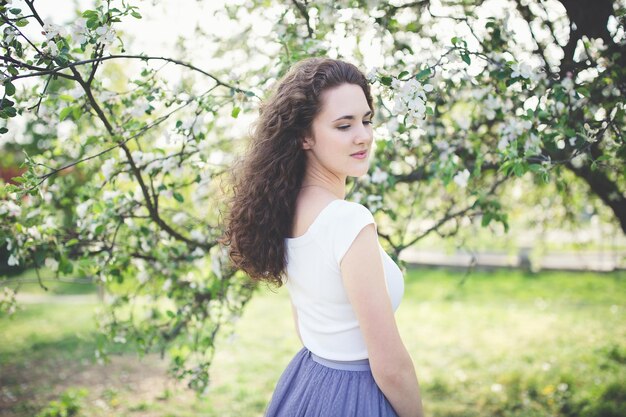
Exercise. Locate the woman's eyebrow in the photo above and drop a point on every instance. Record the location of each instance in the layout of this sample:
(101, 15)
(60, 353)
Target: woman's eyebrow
(351, 117)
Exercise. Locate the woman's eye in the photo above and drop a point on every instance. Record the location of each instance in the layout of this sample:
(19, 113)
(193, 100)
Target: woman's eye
(367, 122)
(343, 127)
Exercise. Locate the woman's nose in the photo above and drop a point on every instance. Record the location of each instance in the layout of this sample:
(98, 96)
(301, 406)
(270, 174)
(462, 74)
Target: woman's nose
(363, 134)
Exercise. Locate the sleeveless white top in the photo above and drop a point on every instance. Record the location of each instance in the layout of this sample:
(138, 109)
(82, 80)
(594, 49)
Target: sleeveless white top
(328, 326)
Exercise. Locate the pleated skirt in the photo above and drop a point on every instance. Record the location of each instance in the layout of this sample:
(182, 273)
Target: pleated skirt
(312, 386)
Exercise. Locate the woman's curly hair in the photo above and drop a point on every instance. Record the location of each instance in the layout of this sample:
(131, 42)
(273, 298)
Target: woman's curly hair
(267, 180)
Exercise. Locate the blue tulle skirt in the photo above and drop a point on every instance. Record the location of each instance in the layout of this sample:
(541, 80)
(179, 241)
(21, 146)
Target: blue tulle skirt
(312, 386)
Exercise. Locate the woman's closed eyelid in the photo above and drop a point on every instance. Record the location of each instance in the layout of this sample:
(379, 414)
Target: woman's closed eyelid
(344, 127)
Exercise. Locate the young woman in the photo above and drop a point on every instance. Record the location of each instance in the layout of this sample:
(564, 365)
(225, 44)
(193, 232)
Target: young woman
(289, 223)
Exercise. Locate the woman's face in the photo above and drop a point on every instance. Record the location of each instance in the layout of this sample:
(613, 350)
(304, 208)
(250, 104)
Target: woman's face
(341, 133)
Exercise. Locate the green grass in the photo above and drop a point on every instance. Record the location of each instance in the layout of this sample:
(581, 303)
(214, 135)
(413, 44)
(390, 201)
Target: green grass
(504, 343)
(28, 282)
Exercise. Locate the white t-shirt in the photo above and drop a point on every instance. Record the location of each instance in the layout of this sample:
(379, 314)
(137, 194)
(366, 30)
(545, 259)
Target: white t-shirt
(326, 319)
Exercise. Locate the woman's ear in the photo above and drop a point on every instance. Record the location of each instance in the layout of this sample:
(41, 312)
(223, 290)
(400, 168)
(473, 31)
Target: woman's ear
(307, 143)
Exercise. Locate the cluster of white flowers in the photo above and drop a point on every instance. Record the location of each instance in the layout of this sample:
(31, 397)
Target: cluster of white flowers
(52, 264)
(108, 167)
(79, 31)
(106, 34)
(179, 218)
(490, 106)
(9, 34)
(522, 69)
(461, 178)
(514, 129)
(378, 176)
(579, 160)
(8, 298)
(10, 207)
(13, 260)
(51, 31)
(193, 124)
(139, 108)
(532, 146)
(51, 49)
(374, 202)
(82, 208)
(372, 74)
(410, 99)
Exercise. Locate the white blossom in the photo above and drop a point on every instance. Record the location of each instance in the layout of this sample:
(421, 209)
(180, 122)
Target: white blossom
(179, 217)
(143, 276)
(13, 260)
(197, 252)
(496, 388)
(379, 176)
(461, 178)
(107, 168)
(11, 208)
(33, 232)
(490, 105)
(522, 69)
(140, 108)
(560, 144)
(79, 30)
(579, 160)
(532, 146)
(81, 209)
(410, 98)
(167, 285)
(52, 263)
(106, 96)
(52, 49)
(106, 34)
(375, 202)
(372, 73)
(51, 31)
(9, 34)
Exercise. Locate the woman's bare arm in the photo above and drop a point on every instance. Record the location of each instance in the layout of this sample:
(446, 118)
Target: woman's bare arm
(392, 367)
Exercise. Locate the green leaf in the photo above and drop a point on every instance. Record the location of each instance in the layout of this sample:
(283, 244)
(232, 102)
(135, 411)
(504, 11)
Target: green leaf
(179, 197)
(386, 80)
(66, 97)
(12, 70)
(65, 266)
(90, 13)
(71, 242)
(403, 74)
(21, 23)
(16, 10)
(135, 14)
(455, 40)
(3, 130)
(235, 112)
(466, 58)
(425, 73)
(519, 170)
(93, 22)
(65, 112)
(170, 314)
(9, 88)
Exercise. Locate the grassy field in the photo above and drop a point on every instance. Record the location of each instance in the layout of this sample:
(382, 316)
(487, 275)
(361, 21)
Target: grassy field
(502, 344)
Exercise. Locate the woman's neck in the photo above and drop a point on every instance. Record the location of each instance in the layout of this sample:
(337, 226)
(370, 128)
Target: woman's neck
(336, 187)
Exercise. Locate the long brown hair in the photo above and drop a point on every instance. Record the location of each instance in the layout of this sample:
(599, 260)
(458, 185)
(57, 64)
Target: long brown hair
(267, 181)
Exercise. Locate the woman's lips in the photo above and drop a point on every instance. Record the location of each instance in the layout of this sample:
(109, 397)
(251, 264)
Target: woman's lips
(359, 155)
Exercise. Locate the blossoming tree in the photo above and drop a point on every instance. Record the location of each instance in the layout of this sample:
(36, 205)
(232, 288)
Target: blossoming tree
(124, 152)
